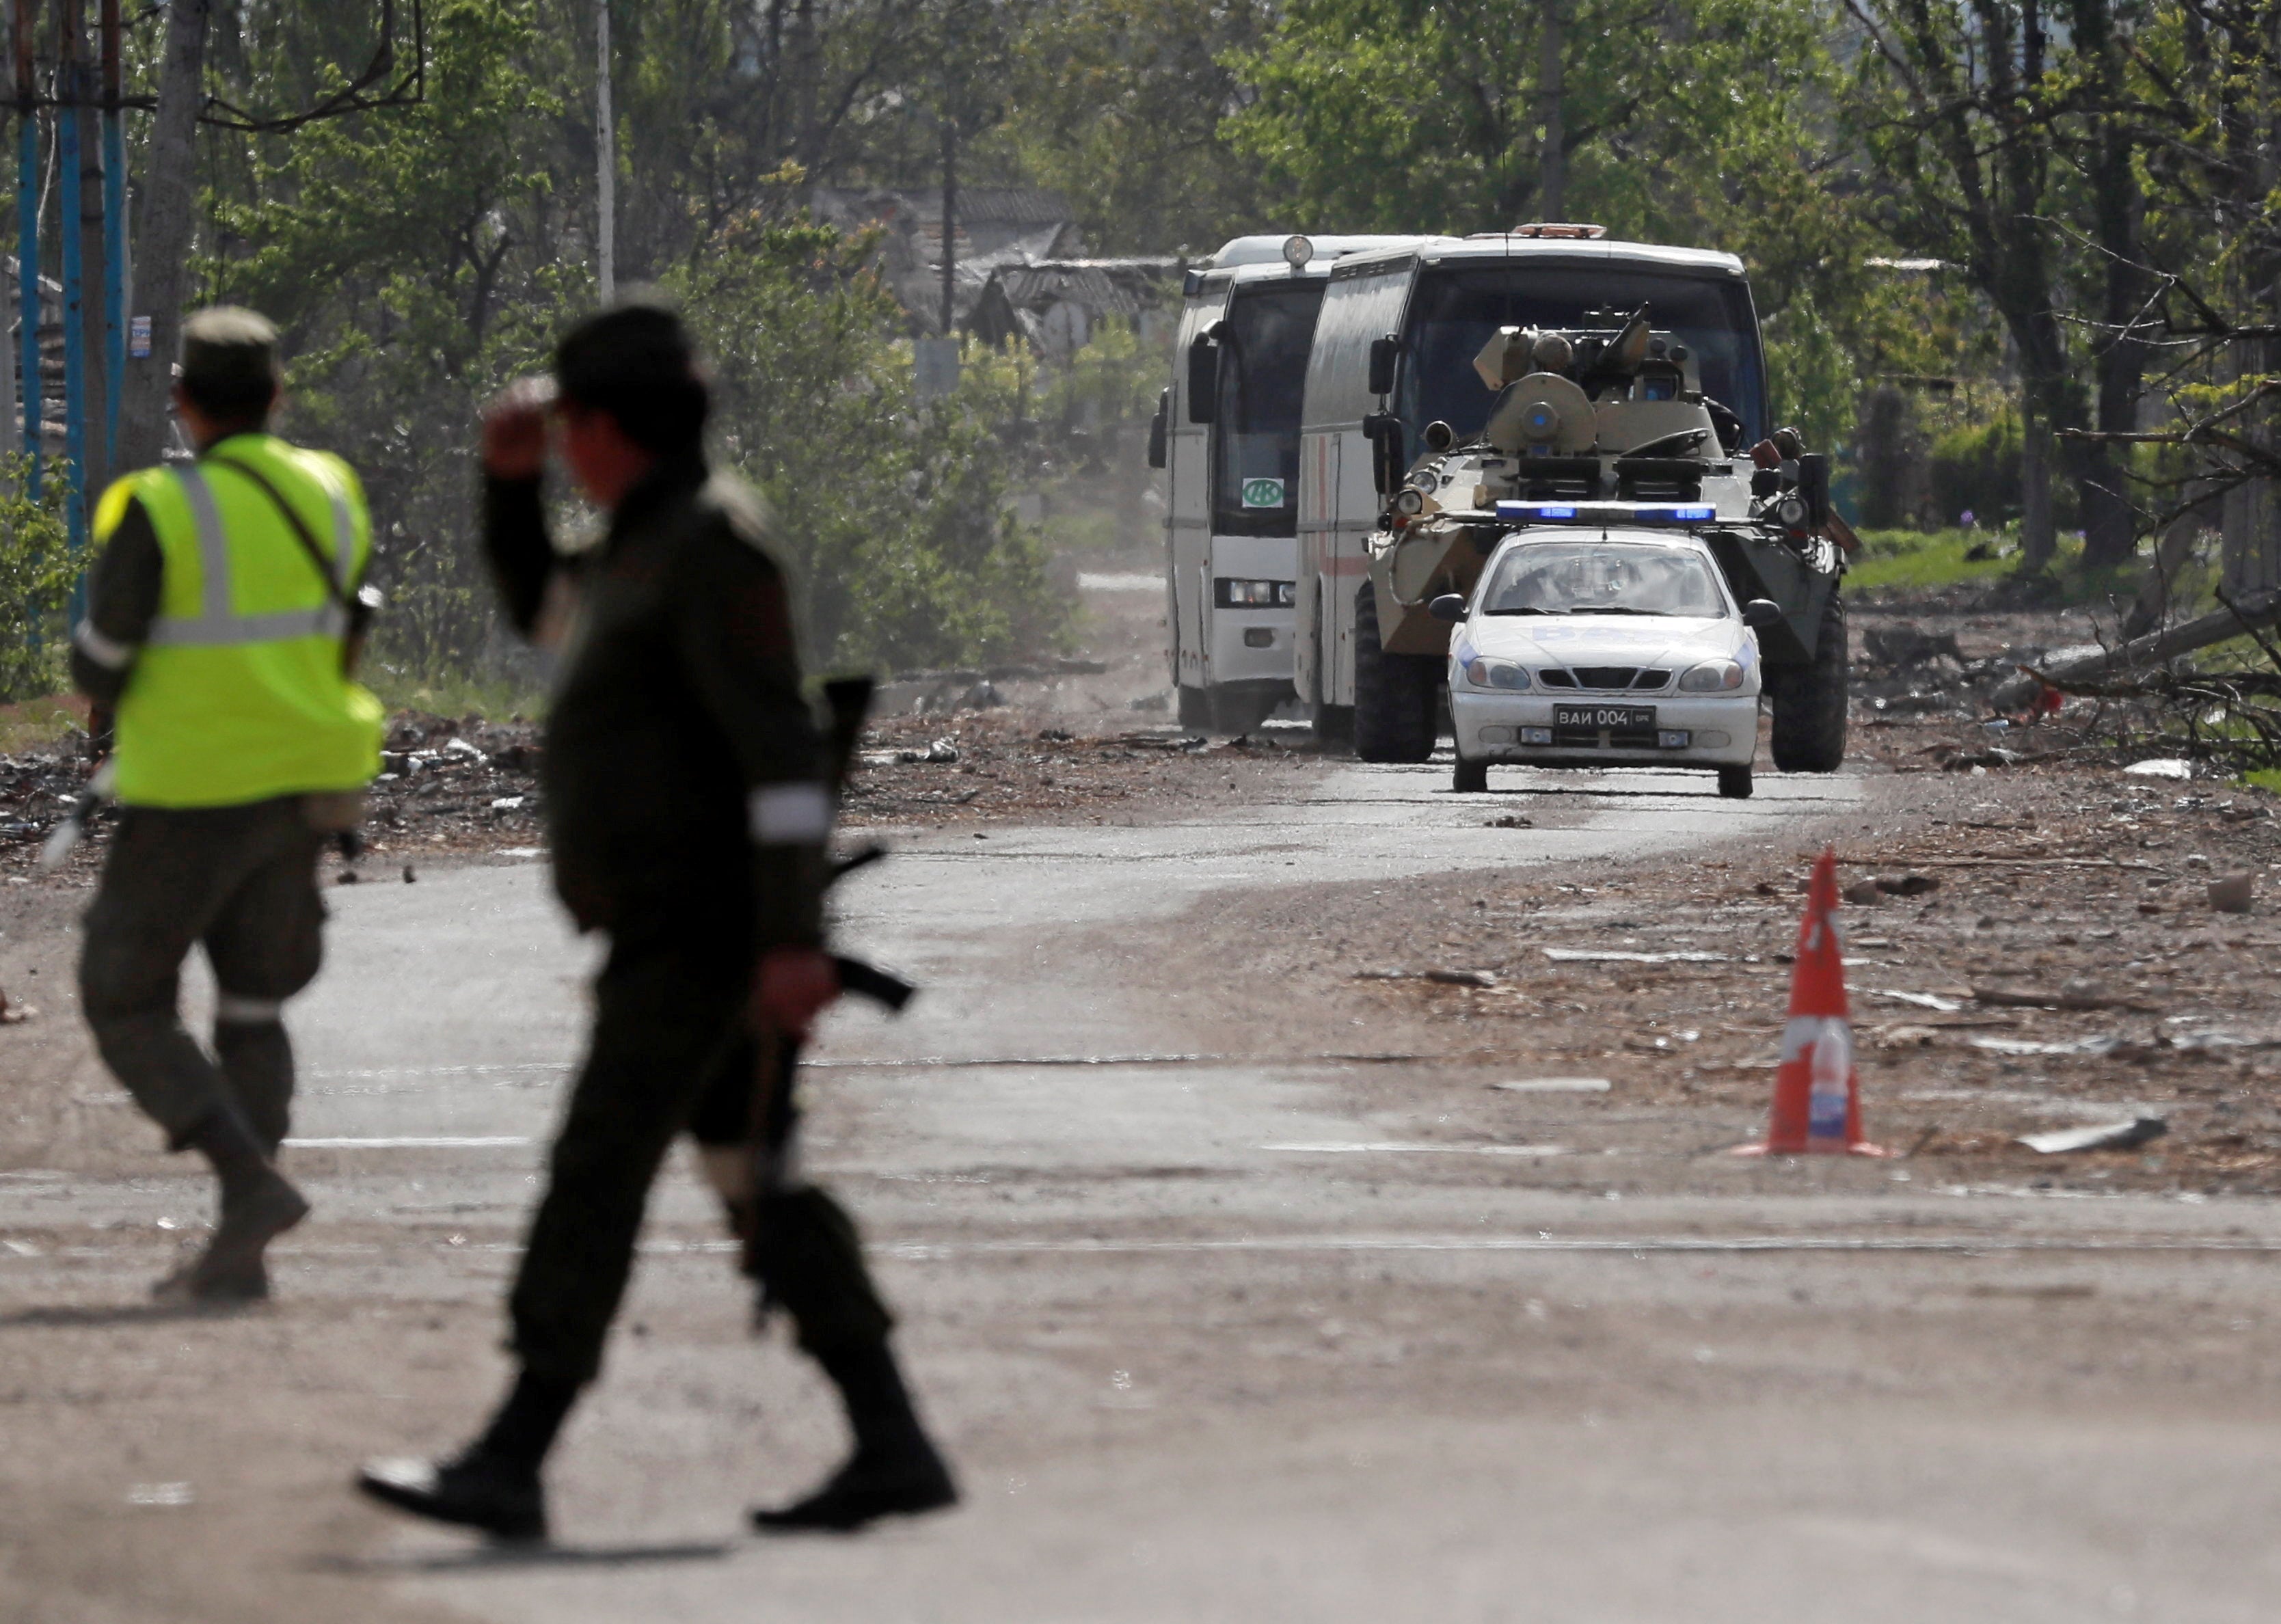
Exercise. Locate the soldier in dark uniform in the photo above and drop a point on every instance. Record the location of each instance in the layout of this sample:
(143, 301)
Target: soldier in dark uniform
(688, 803)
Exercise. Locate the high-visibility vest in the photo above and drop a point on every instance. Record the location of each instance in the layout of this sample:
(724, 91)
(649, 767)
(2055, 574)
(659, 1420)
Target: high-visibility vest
(238, 695)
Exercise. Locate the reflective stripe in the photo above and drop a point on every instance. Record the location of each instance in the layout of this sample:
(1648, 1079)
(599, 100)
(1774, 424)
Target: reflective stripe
(789, 814)
(108, 652)
(214, 542)
(326, 619)
(216, 627)
(239, 1010)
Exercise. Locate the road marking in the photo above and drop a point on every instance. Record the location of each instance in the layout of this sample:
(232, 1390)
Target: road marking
(473, 1142)
(1667, 1244)
(1391, 1145)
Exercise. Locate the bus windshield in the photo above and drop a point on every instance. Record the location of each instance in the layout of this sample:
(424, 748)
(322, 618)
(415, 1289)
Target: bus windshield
(1457, 308)
(1263, 377)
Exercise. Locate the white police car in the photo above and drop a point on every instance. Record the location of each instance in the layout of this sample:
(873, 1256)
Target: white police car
(1614, 646)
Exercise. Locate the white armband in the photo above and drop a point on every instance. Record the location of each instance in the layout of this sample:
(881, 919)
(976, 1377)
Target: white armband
(108, 652)
(789, 814)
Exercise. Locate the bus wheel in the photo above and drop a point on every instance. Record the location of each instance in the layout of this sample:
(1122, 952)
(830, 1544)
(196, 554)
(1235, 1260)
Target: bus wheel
(1394, 694)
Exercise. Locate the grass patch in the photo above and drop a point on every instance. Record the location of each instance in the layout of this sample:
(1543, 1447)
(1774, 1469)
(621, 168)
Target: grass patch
(29, 723)
(2263, 778)
(1928, 559)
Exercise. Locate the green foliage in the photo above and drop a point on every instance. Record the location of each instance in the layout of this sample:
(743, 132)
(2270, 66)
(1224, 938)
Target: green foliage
(37, 571)
(419, 258)
(1118, 105)
(1921, 560)
(1976, 470)
(895, 519)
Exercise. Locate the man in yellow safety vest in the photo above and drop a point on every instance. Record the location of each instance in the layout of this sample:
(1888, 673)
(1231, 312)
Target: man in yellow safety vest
(221, 616)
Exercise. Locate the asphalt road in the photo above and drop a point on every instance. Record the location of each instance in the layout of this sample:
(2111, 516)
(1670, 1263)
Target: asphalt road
(1221, 1321)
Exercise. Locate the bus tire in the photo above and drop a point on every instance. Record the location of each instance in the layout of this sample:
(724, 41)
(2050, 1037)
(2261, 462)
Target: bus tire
(1808, 701)
(1195, 710)
(1394, 694)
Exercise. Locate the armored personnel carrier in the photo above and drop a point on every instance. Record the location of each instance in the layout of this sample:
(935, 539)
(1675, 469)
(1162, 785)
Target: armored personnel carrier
(1599, 427)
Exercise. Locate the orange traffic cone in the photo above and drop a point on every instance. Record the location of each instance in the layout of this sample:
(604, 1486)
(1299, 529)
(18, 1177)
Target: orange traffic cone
(1817, 1092)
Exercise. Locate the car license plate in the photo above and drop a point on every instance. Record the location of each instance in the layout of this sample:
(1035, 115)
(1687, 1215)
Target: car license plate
(1603, 715)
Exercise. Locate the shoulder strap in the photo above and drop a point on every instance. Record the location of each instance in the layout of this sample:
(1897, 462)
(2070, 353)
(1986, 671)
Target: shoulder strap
(334, 586)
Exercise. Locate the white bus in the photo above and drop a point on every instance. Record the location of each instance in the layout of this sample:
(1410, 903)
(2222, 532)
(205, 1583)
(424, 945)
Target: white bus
(1226, 435)
(1394, 350)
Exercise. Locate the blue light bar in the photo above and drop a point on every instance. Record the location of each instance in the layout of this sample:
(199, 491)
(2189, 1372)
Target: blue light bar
(1604, 512)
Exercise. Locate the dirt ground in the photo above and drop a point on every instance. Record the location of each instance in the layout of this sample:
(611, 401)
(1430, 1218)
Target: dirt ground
(1126, 1409)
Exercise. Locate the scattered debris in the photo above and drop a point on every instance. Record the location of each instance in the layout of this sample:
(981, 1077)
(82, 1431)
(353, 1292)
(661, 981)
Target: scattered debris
(1906, 884)
(2162, 767)
(1583, 955)
(2234, 894)
(1864, 893)
(1510, 820)
(2107, 1136)
(2073, 996)
(941, 750)
(2104, 1044)
(983, 696)
(1463, 978)
(1923, 1000)
(1555, 1084)
(1906, 645)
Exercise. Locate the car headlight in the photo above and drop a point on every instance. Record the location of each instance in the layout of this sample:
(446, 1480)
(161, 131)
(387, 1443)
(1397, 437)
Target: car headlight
(1711, 677)
(1496, 674)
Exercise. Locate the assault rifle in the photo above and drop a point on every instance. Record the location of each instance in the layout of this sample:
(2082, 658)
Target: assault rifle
(775, 1112)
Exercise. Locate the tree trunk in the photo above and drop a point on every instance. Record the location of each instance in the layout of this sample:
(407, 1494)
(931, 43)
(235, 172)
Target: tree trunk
(2038, 540)
(169, 197)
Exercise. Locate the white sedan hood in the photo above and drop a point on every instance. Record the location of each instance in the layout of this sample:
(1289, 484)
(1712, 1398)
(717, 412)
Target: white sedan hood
(1671, 642)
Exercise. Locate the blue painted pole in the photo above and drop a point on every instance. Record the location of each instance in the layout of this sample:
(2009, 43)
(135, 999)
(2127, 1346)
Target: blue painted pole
(28, 291)
(74, 308)
(114, 277)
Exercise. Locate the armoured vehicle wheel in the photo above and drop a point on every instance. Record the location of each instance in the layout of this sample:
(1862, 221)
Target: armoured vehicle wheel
(1394, 694)
(1735, 782)
(1808, 701)
(1471, 777)
(1195, 708)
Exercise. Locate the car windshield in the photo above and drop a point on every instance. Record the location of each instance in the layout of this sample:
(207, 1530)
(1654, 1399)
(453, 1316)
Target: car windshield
(1263, 376)
(1456, 309)
(1602, 578)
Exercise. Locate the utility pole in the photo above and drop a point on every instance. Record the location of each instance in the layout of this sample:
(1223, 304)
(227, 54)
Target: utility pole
(949, 223)
(28, 236)
(1552, 156)
(70, 91)
(606, 157)
(114, 237)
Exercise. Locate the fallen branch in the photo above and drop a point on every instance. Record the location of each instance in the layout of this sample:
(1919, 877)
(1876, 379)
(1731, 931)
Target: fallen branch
(2258, 609)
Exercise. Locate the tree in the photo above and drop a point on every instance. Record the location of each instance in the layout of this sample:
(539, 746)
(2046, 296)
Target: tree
(2019, 156)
